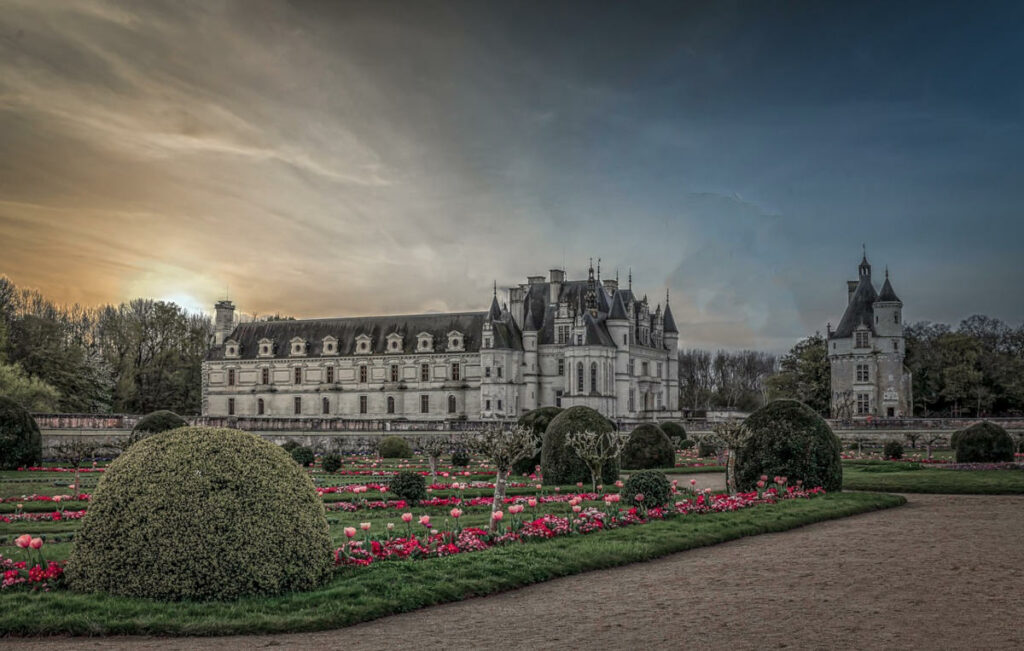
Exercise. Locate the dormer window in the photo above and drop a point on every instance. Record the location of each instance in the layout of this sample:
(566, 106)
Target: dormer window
(231, 349)
(424, 342)
(363, 345)
(266, 348)
(862, 339)
(330, 345)
(456, 341)
(297, 346)
(394, 344)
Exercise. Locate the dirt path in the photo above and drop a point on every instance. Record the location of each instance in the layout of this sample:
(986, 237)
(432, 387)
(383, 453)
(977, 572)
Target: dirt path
(941, 572)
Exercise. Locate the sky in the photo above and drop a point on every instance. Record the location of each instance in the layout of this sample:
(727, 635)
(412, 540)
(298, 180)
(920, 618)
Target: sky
(352, 158)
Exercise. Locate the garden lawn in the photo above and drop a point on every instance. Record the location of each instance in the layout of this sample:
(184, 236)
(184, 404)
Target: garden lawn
(361, 594)
(929, 480)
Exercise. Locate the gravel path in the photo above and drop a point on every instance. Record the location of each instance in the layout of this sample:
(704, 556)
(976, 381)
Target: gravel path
(941, 572)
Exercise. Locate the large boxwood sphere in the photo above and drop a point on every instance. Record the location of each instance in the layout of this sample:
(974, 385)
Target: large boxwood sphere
(560, 463)
(648, 447)
(537, 420)
(20, 441)
(156, 422)
(202, 513)
(674, 431)
(790, 439)
(984, 442)
(394, 447)
(653, 485)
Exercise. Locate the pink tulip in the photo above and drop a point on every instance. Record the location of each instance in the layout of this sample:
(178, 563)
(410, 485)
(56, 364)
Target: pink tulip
(579, 484)
(36, 543)
(365, 526)
(56, 498)
(391, 525)
(350, 532)
(425, 520)
(760, 483)
(600, 488)
(577, 508)
(764, 477)
(407, 518)
(557, 489)
(618, 483)
(23, 541)
(639, 497)
(531, 502)
(497, 516)
(539, 486)
(456, 513)
(693, 482)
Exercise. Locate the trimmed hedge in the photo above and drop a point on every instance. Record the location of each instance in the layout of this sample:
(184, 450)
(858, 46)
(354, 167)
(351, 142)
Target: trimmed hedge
(409, 486)
(648, 447)
(394, 447)
(653, 485)
(705, 449)
(290, 445)
(331, 462)
(984, 442)
(559, 463)
(202, 513)
(538, 421)
(674, 431)
(20, 441)
(303, 456)
(460, 458)
(154, 423)
(686, 444)
(789, 438)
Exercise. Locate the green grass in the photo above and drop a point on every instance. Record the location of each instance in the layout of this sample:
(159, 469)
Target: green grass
(931, 480)
(362, 594)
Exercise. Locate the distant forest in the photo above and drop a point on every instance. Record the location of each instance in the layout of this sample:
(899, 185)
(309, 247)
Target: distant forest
(144, 355)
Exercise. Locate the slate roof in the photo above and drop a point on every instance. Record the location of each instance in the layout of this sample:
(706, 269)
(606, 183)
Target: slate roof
(888, 295)
(345, 330)
(670, 323)
(859, 311)
(618, 307)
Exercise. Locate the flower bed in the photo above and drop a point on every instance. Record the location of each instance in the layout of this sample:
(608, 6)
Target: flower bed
(435, 543)
(56, 516)
(80, 497)
(1004, 465)
(59, 469)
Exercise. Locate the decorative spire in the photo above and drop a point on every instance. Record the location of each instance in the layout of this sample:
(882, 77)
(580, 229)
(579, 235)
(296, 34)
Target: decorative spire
(495, 288)
(666, 297)
(590, 271)
(865, 266)
(599, 270)
(631, 279)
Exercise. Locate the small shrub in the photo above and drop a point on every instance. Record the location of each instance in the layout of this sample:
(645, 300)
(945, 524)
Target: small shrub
(705, 449)
(559, 463)
(892, 450)
(289, 445)
(409, 486)
(331, 462)
(20, 441)
(675, 432)
(202, 513)
(303, 456)
(538, 421)
(460, 458)
(984, 442)
(686, 444)
(648, 447)
(154, 423)
(788, 438)
(394, 447)
(652, 484)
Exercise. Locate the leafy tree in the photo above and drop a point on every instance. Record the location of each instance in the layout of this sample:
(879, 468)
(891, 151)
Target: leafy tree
(31, 393)
(804, 375)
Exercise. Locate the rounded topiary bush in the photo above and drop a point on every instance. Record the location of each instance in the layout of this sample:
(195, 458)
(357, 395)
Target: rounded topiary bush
(686, 444)
(892, 450)
(648, 447)
(675, 432)
(651, 484)
(202, 513)
(460, 458)
(154, 423)
(20, 441)
(409, 486)
(788, 438)
(303, 456)
(290, 445)
(560, 463)
(705, 449)
(331, 462)
(984, 442)
(537, 420)
(394, 447)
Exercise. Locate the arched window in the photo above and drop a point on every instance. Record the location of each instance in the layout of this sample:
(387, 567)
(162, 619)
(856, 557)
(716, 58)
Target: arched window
(259, 406)
(593, 377)
(326, 406)
(579, 377)
(391, 405)
(451, 404)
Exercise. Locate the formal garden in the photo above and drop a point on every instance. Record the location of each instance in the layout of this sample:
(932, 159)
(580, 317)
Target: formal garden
(201, 531)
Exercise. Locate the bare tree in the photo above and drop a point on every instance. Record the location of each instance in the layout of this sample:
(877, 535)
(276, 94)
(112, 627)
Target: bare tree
(913, 438)
(932, 439)
(733, 434)
(503, 447)
(73, 452)
(597, 449)
(434, 446)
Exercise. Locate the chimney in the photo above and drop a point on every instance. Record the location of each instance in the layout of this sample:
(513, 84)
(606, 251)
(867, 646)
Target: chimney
(851, 287)
(533, 280)
(557, 278)
(223, 321)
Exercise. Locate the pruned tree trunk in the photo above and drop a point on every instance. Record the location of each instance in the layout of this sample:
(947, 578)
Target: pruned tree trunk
(499, 496)
(730, 470)
(433, 467)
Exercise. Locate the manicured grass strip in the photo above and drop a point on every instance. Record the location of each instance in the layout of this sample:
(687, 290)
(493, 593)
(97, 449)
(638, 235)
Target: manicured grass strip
(928, 480)
(362, 594)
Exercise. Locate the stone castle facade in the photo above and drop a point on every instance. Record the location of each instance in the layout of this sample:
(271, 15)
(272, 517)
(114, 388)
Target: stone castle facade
(556, 342)
(866, 352)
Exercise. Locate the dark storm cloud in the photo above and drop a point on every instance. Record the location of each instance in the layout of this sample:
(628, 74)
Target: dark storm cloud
(347, 158)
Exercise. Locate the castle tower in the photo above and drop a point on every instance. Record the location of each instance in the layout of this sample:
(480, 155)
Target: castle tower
(223, 321)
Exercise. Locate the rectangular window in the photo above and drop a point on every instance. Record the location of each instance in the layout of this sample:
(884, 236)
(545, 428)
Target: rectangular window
(424, 372)
(895, 345)
(362, 373)
(862, 373)
(561, 366)
(266, 376)
(325, 406)
(632, 400)
(625, 339)
(558, 398)
(456, 371)
(394, 372)
(298, 375)
(298, 405)
(424, 404)
(579, 340)
(862, 340)
(487, 405)
(362, 404)
(487, 371)
(632, 368)
(499, 404)
(863, 403)
(499, 370)
(231, 406)
(487, 342)
(391, 405)
(231, 377)
(330, 375)
(659, 369)
(644, 368)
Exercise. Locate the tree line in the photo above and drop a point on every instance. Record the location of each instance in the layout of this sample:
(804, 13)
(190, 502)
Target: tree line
(724, 379)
